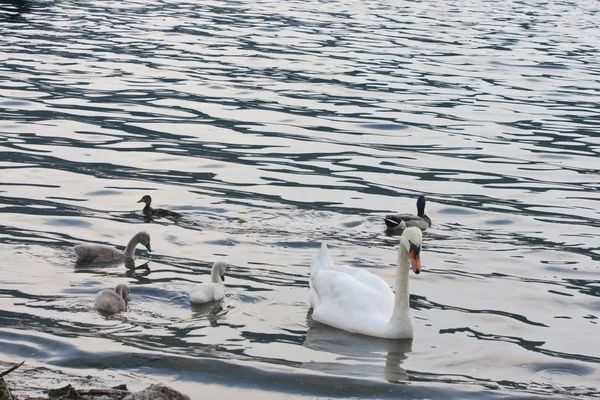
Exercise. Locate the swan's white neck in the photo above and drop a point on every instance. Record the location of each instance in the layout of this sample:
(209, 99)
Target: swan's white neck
(401, 319)
(130, 249)
(215, 277)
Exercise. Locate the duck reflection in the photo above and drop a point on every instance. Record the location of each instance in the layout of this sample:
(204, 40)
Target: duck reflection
(361, 355)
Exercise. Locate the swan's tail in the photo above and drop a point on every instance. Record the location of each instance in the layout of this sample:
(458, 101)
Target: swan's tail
(322, 260)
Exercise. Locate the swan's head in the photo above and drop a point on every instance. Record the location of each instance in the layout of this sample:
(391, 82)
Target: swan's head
(146, 199)
(122, 290)
(411, 240)
(421, 206)
(219, 268)
(144, 238)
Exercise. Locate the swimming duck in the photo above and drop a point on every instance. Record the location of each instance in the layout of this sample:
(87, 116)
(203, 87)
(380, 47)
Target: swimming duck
(156, 212)
(90, 252)
(215, 290)
(113, 301)
(403, 221)
(358, 301)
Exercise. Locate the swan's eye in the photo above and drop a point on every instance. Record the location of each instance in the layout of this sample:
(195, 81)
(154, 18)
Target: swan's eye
(415, 249)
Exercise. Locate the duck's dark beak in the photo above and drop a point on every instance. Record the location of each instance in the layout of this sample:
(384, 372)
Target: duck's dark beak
(223, 277)
(415, 261)
(141, 201)
(149, 248)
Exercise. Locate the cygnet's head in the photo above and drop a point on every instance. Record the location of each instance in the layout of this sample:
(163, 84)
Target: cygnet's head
(146, 199)
(122, 290)
(144, 238)
(219, 269)
(411, 239)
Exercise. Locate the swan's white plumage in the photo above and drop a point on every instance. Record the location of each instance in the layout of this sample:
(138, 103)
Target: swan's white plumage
(358, 301)
(112, 301)
(207, 292)
(210, 291)
(342, 282)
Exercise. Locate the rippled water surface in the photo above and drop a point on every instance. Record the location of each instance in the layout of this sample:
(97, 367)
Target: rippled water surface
(309, 120)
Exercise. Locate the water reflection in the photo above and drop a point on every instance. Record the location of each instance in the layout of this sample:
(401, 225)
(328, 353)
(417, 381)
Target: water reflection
(133, 271)
(361, 356)
(310, 123)
(13, 10)
(212, 312)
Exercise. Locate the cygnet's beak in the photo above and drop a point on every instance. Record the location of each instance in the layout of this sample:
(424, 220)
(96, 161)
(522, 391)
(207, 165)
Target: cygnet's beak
(148, 247)
(415, 261)
(223, 277)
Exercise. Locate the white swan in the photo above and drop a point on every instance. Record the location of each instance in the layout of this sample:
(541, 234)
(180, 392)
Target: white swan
(215, 290)
(101, 253)
(358, 301)
(112, 301)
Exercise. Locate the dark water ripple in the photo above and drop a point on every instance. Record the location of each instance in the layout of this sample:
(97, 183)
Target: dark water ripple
(273, 127)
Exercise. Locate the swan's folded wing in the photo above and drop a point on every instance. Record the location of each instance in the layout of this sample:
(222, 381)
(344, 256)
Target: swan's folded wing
(202, 293)
(324, 262)
(335, 292)
(367, 278)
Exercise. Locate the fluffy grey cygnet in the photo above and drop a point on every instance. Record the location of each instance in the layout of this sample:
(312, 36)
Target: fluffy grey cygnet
(89, 252)
(113, 301)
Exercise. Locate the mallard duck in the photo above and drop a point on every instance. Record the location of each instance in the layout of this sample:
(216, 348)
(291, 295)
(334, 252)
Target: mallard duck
(156, 212)
(358, 301)
(113, 301)
(403, 221)
(215, 289)
(90, 252)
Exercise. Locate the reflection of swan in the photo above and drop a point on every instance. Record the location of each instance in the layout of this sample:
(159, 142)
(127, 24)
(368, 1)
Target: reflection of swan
(212, 312)
(215, 290)
(130, 265)
(358, 301)
(368, 351)
(101, 253)
(155, 212)
(132, 271)
(402, 221)
(112, 301)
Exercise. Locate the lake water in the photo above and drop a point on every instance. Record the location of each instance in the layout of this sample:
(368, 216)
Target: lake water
(310, 120)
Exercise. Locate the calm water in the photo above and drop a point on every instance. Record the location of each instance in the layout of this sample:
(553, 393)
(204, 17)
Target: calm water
(310, 120)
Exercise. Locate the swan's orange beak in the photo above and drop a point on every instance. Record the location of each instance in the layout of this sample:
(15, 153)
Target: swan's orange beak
(415, 261)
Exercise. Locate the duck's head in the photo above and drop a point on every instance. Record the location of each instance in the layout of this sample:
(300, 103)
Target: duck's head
(219, 268)
(411, 239)
(144, 239)
(420, 206)
(122, 290)
(146, 199)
